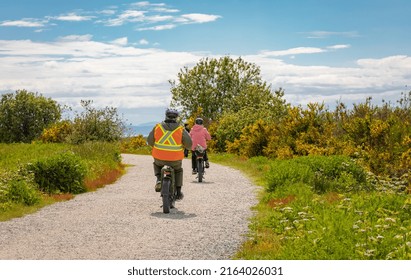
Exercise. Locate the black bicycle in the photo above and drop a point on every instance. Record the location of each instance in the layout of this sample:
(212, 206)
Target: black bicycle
(199, 153)
(168, 188)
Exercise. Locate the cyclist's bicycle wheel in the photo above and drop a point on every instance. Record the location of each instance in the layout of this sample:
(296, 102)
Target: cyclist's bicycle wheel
(166, 195)
(200, 169)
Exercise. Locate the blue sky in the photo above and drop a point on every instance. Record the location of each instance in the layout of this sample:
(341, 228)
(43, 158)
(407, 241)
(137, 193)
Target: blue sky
(123, 53)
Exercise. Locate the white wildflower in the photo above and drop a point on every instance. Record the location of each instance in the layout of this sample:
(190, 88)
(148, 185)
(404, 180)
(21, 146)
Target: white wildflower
(392, 220)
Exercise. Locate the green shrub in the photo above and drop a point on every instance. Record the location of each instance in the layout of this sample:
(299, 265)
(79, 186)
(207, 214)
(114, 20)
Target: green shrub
(24, 115)
(62, 173)
(323, 173)
(22, 191)
(18, 188)
(96, 125)
(286, 172)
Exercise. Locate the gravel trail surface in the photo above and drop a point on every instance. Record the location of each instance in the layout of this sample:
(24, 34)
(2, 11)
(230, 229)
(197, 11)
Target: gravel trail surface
(124, 220)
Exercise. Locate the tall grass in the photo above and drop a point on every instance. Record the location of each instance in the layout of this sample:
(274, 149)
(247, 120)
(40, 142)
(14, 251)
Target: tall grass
(324, 208)
(20, 191)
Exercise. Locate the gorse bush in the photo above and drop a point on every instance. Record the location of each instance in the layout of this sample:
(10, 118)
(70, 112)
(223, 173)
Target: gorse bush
(63, 173)
(57, 133)
(133, 143)
(322, 173)
(378, 136)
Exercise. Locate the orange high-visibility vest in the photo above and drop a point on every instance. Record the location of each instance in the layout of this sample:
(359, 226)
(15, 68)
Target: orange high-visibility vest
(168, 145)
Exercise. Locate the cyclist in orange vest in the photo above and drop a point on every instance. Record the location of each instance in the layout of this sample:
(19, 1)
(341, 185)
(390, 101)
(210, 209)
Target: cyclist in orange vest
(169, 139)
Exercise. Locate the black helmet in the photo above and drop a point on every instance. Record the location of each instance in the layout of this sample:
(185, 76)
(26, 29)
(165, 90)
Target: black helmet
(171, 114)
(199, 121)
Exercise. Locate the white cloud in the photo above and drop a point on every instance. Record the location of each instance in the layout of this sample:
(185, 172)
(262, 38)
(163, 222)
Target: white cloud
(116, 74)
(109, 74)
(120, 41)
(338, 47)
(125, 17)
(197, 18)
(144, 15)
(326, 34)
(23, 23)
(158, 18)
(293, 51)
(73, 17)
(302, 50)
(76, 38)
(143, 42)
(383, 78)
(132, 15)
(166, 10)
(108, 12)
(147, 4)
(158, 27)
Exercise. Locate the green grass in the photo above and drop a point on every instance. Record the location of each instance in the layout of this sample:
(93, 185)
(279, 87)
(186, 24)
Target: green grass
(346, 216)
(12, 156)
(16, 210)
(17, 192)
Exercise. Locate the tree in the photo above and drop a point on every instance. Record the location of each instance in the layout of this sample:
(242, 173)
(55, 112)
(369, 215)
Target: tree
(220, 85)
(96, 125)
(24, 115)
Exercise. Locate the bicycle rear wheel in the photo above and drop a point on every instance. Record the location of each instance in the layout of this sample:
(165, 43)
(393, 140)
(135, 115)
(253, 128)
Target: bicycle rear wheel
(165, 194)
(200, 170)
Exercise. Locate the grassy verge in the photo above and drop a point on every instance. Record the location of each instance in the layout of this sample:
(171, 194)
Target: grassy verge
(19, 194)
(324, 208)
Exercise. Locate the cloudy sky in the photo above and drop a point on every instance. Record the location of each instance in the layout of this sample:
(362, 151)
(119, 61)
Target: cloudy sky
(123, 53)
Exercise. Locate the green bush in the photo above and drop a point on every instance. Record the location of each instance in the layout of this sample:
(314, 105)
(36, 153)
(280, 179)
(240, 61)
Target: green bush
(17, 188)
(24, 115)
(96, 125)
(286, 172)
(323, 173)
(63, 173)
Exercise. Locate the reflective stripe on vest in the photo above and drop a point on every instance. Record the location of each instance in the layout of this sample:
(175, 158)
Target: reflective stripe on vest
(169, 144)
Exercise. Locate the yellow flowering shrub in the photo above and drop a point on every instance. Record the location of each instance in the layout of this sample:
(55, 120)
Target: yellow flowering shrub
(57, 133)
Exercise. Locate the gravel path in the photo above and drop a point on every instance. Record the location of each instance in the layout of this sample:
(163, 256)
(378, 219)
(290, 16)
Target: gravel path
(125, 220)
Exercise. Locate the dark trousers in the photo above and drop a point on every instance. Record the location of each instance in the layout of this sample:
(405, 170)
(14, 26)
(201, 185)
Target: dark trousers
(194, 159)
(176, 165)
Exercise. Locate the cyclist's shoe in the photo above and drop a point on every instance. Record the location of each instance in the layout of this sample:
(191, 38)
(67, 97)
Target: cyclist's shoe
(207, 164)
(194, 172)
(158, 186)
(180, 194)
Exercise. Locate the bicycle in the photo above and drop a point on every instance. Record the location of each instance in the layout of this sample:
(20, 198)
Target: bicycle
(199, 153)
(168, 188)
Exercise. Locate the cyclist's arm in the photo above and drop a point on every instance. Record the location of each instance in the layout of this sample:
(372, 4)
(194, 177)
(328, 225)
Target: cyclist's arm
(187, 142)
(150, 138)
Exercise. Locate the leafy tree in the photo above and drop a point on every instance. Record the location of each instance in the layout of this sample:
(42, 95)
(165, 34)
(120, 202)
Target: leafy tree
(96, 125)
(24, 115)
(221, 85)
